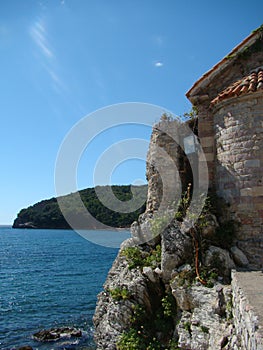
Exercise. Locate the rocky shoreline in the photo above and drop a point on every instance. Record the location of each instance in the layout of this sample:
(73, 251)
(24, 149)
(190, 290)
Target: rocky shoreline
(199, 315)
(171, 291)
(63, 337)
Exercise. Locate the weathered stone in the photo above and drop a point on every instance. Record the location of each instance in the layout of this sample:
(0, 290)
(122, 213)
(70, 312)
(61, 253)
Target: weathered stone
(57, 333)
(239, 257)
(158, 271)
(112, 317)
(176, 250)
(127, 243)
(201, 326)
(234, 122)
(220, 257)
(211, 224)
(148, 272)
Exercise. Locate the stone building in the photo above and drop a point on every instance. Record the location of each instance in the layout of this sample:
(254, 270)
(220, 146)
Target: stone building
(229, 100)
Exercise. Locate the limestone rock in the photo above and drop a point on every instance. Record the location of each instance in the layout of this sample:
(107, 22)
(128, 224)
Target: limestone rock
(176, 250)
(210, 227)
(239, 257)
(112, 317)
(158, 271)
(148, 272)
(57, 333)
(127, 243)
(203, 317)
(220, 258)
(141, 231)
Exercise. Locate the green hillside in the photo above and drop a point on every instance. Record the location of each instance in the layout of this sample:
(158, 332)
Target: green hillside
(47, 214)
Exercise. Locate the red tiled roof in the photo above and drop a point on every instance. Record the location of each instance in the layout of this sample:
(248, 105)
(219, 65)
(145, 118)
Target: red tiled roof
(251, 83)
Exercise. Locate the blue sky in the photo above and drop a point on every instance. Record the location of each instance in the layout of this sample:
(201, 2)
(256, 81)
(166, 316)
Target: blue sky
(63, 59)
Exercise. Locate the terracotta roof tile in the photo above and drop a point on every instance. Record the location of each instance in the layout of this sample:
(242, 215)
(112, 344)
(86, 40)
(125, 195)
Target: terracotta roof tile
(251, 83)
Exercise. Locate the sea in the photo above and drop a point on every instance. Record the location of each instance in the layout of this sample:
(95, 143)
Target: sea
(51, 278)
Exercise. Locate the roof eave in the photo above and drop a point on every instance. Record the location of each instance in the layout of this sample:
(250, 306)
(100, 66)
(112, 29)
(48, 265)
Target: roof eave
(216, 69)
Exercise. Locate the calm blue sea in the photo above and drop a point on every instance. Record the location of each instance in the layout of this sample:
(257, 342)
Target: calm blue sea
(50, 278)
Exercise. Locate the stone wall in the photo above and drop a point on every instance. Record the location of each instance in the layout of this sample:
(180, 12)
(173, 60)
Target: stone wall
(230, 133)
(237, 67)
(247, 287)
(239, 168)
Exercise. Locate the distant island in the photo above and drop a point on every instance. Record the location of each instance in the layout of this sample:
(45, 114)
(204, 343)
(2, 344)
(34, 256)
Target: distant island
(47, 214)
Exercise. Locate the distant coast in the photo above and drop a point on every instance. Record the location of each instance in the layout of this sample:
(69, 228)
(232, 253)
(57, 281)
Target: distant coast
(46, 214)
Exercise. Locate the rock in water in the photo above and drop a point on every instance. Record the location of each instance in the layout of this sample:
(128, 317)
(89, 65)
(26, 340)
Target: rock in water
(57, 333)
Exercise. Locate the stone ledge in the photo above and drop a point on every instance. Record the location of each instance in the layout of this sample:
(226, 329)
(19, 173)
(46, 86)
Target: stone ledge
(248, 307)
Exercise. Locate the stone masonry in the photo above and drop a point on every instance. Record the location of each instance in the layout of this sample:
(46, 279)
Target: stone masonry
(239, 168)
(229, 100)
(247, 289)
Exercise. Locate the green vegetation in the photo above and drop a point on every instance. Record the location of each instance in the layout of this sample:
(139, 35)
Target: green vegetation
(259, 29)
(185, 278)
(47, 214)
(183, 204)
(229, 310)
(138, 258)
(246, 51)
(210, 275)
(159, 223)
(173, 345)
(168, 305)
(134, 257)
(187, 326)
(192, 114)
(153, 259)
(204, 329)
(131, 340)
(145, 326)
(139, 314)
(119, 293)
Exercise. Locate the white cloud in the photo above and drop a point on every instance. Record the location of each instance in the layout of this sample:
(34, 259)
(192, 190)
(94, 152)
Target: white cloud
(58, 84)
(158, 64)
(39, 35)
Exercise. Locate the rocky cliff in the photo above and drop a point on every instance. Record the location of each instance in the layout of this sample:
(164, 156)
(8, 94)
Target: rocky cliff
(169, 285)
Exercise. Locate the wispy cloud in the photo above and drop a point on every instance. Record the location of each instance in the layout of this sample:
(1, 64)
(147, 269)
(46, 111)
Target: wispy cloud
(39, 34)
(57, 83)
(158, 64)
